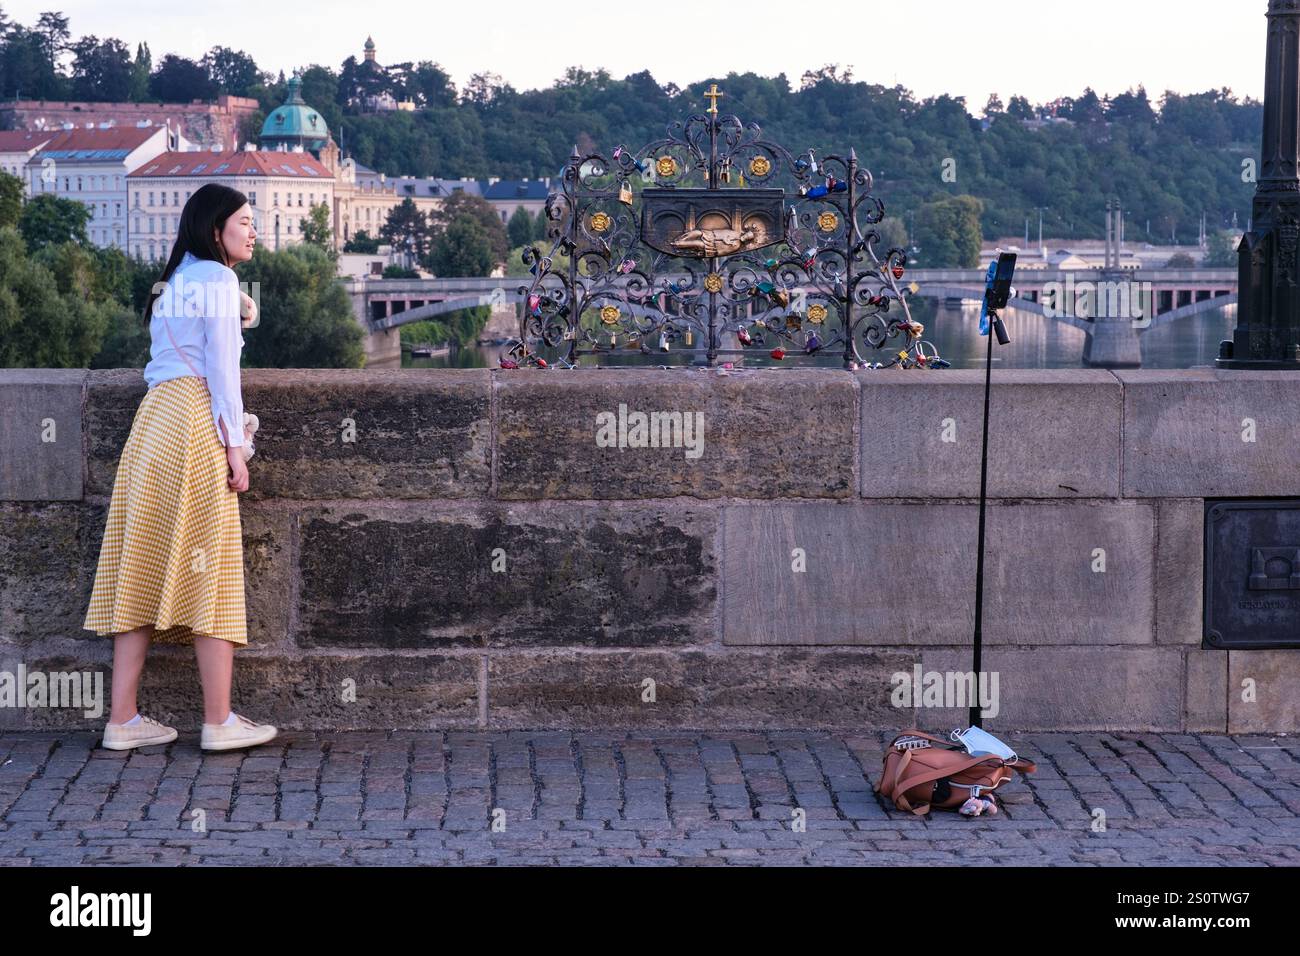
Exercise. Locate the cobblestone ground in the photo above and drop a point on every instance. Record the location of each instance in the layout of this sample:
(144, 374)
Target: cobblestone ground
(644, 798)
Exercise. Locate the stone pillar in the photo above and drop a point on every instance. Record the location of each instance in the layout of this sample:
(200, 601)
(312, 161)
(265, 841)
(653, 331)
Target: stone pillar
(1267, 335)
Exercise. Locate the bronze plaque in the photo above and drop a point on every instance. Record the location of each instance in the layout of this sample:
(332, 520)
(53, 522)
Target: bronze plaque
(710, 223)
(1252, 573)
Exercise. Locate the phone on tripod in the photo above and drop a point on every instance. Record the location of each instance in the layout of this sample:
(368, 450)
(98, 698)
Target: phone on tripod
(997, 293)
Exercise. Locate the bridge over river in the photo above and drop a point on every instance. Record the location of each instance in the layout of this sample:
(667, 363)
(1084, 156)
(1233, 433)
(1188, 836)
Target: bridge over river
(1141, 300)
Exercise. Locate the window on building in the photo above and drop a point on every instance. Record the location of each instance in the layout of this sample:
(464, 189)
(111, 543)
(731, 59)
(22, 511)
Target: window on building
(78, 184)
(300, 199)
(138, 227)
(252, 198)
(150, 198)
(151, 229)
(275, 199)
(117, 209)
(176, 199)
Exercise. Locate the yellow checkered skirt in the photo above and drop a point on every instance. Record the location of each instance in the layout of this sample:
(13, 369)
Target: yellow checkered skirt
(172, 554)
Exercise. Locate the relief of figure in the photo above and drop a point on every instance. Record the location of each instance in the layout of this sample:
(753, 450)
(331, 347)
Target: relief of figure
(711, 243)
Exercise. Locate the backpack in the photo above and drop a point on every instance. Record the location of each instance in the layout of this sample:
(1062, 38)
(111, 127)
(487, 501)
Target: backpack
(921, 772)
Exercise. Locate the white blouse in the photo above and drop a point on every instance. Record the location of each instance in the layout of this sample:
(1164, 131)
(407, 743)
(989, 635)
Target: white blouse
(200, 308)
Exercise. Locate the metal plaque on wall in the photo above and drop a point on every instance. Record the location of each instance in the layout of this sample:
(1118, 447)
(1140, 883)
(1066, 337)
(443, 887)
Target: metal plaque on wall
(1252, 573)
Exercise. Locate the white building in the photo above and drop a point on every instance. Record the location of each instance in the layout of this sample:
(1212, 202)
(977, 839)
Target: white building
(17, 147)
(281, 186)
(91, 165)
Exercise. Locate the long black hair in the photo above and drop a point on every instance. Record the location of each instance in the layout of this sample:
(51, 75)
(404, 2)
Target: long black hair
(205, 212)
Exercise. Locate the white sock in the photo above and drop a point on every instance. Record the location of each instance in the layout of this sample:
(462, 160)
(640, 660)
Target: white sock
(231, 720)
(133, 720)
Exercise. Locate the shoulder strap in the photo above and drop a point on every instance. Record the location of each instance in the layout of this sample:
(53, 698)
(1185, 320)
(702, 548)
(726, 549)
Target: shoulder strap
(177, 348)
(927, 776)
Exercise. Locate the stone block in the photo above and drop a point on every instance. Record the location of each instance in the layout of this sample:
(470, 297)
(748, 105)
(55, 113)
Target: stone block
(352, 433)
(1053, 433)
(40, 434)
(1271, 702)
(397, 692)
(771, 688)
(903, 574)
(764, 434)
(1070, 688)
(1208, 433)
(1207, 691)
(1180, 570)
(422, 575)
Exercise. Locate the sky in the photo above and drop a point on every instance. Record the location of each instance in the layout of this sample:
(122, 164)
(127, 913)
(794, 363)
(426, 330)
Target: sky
(1042, 49)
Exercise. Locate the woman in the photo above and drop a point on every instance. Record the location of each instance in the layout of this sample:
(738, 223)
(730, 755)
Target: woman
(171, 565)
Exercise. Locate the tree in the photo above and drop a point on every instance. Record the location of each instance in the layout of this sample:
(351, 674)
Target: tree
(101, 71)
(48, 219)
(11, 199)
(407, 229)
(141, 67)
(1180, 260)
(362, 242)
(1222, 252)
(540, 225)
(462, 249)
(316, 227)
(1020, 108)
(306, 319)
(232, 71)
(520, 227)
(462, 204)
(948, 232)
(179, 80)
(430, 86)
(41, 326)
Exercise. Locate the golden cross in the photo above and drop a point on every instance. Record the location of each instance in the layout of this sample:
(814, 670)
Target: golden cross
(712, 96)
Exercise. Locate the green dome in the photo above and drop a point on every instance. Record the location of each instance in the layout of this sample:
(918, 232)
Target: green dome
(295, 123)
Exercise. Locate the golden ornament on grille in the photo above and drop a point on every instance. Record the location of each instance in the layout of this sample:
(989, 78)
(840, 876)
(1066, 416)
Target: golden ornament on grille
(760, 166)
(827, 222)
(713, 282)
(817, 313)
(666, 166)
(600, 221)
(609, 315)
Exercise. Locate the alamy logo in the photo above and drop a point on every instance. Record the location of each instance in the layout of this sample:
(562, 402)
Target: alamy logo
(102, 909)
(1116, 299)
(955, 689)
(651, 430)
(83, 689)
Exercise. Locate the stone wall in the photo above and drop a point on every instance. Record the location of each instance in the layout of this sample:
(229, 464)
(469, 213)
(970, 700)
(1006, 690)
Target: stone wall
(473, 558)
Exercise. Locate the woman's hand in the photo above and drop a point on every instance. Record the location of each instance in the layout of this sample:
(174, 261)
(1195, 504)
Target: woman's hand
(247, 310)
(238, 480)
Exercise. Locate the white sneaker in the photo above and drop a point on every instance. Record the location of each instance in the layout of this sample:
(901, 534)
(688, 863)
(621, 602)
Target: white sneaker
(243, 733)
(143, 734)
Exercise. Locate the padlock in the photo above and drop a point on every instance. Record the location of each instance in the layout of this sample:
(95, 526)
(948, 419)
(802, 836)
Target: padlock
(663, 342)
(625, 193)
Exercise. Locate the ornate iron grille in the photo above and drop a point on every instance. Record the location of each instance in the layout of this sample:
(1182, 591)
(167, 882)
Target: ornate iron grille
(659, 249)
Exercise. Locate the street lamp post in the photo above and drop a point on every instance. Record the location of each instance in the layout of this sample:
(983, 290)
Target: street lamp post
(1267, 335)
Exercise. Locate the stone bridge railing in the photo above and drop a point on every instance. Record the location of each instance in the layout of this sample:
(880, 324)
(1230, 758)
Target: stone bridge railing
(491, 549)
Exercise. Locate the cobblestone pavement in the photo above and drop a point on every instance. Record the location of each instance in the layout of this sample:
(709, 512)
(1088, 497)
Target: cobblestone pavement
(654, 798)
